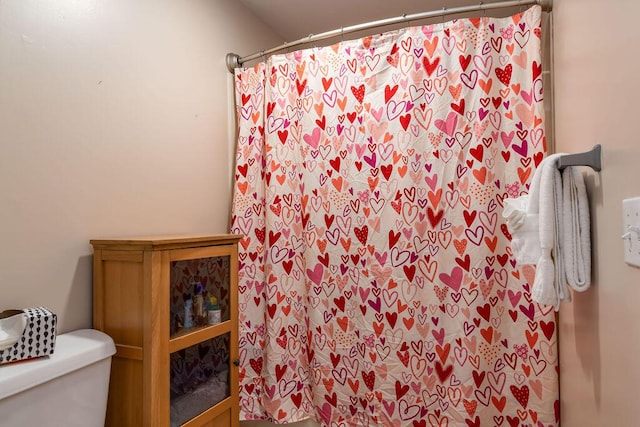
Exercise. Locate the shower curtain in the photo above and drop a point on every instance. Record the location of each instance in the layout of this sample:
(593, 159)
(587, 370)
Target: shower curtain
(377, 285)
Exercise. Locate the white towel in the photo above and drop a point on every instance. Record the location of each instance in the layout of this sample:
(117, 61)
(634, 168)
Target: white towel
(576, 248)
(524, 229)
(550, 229)
(545, 196)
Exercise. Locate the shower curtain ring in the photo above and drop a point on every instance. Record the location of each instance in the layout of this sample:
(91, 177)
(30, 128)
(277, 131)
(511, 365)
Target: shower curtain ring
(406, 21)
(309, 40)
(483, 9)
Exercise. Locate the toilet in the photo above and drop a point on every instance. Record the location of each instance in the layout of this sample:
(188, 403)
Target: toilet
(68, 388)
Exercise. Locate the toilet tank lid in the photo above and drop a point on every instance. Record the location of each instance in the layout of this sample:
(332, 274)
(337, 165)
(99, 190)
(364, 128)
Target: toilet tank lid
(74, 350)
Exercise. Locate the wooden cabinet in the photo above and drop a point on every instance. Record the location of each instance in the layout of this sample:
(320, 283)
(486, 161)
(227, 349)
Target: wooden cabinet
(173, 365)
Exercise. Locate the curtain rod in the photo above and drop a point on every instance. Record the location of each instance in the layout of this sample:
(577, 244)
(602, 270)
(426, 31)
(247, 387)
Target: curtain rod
(233, 60)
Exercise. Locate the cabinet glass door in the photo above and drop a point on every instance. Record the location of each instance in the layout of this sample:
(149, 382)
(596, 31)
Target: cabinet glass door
(199, 294)
(199, 378)
(200, 331)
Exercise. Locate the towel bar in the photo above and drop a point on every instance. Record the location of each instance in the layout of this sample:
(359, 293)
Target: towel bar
(590, 158)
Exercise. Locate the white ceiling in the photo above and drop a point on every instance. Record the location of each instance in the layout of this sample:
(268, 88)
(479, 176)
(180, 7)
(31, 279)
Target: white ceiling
(296, 19)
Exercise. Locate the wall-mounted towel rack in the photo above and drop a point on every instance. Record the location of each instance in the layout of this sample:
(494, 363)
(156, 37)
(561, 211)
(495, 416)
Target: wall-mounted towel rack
(590, 158)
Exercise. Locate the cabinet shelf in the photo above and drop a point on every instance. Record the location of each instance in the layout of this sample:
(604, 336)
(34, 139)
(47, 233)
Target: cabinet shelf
(191, 336)
(144, 291)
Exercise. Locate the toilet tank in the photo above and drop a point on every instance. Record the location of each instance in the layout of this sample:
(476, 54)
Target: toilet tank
(68, 388)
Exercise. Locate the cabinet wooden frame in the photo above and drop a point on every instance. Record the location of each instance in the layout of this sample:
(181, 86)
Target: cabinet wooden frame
(131, 293)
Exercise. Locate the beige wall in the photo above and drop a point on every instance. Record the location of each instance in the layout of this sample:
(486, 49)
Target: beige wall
(596, 101)
(114, 121)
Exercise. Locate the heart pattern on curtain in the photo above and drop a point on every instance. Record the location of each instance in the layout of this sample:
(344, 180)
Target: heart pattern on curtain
(377, 286)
